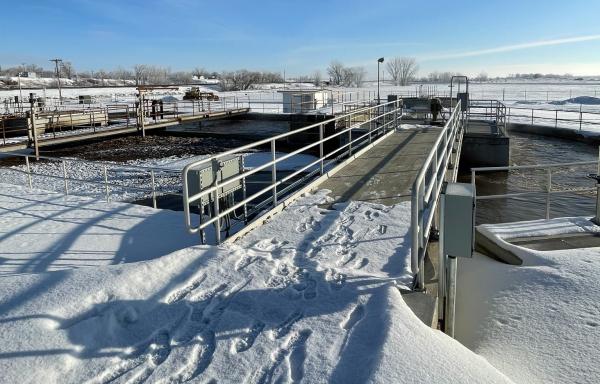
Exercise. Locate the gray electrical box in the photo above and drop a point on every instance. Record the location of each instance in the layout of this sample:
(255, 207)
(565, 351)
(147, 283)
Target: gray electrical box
(464, 100)
(459, 219)
(202, 178)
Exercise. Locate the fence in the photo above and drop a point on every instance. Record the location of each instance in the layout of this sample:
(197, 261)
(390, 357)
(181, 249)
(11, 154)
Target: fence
(568, 118)
(95, 179)
(489, 110)
(334, 139)
(546, 186)
(427, 186)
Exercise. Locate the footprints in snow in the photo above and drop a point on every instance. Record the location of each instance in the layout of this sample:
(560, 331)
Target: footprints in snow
(263, 249)
(308, 224)
(293, 350)
(246, 340)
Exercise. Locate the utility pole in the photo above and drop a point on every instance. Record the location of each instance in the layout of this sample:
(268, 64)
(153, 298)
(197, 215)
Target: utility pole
(56, 61)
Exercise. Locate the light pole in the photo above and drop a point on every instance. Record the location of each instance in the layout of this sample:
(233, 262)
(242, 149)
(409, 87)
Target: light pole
(379, 61)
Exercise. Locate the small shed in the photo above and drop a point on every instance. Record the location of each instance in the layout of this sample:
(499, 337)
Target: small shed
(304, 100)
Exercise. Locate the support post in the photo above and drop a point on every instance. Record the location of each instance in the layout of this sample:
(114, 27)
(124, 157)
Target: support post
(64, 167)
(274, 172)
(28, 171)
(451, 297)
(548, 192)
(34, 131)
(321, 148)
(153, 188)
(106, 185)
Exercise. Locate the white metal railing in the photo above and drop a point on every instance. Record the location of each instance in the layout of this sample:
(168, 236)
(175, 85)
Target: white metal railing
(365, 123)
(101, 178)
(549, 187)
(489, 110)
(428, 184)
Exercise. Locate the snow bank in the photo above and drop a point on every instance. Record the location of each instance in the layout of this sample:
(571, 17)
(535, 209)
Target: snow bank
(537, 323)
(311, 296)
(44, 231)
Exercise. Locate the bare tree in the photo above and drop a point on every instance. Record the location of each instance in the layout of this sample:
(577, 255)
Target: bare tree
(200, 72)
(140, 72)
(483, 76)
(402, 69)
(316, 78)
(67, 69)
(239, 80)
(336, 72)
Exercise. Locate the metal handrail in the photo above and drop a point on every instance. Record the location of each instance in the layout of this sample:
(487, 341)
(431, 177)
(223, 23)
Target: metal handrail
(151, 172)
(427, 187)
(493, 110)
(380, 116)
(548, 191)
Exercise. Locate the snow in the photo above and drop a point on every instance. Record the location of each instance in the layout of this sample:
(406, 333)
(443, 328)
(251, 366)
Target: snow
(311, 296)
(537, 323)
(130, 180)
(43, 231)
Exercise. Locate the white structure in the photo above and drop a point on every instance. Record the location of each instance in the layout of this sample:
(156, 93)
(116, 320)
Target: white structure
(299, 101)
(31, 75)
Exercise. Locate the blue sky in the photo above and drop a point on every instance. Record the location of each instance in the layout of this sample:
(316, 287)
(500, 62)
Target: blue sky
(302, 36)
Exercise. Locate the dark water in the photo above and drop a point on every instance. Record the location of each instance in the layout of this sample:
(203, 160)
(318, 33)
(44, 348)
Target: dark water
(529, 150)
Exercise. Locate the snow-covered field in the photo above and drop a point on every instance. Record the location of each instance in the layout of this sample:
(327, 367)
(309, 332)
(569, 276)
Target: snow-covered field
(537, 323)
(309, 297)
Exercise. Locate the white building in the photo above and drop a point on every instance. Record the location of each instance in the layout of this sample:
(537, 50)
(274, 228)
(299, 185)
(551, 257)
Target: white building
(304, 100)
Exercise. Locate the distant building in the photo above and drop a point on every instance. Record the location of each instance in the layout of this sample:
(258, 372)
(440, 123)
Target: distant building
(304, 100)
(31, 75)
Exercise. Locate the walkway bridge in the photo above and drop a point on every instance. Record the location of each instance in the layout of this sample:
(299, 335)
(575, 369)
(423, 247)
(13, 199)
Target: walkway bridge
(372, 154)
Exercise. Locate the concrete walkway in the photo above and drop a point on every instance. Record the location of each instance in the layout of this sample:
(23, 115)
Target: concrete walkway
(385, 173)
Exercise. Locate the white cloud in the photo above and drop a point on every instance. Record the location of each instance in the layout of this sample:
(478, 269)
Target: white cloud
(508, 48)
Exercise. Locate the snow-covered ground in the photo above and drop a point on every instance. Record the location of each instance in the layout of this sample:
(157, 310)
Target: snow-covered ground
(309, 297)
(43, 231)
(539, 322)
(130, 180)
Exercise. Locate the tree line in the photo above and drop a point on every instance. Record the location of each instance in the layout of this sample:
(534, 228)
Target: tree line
(401, 71)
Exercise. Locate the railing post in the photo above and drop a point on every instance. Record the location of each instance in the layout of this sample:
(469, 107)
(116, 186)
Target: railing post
(216, 209)
(28, 171)
(532, 116)
(106, 185)
(153, 189)
(580, 117)
(64, 167)
(350, 136)
(321, 147)
(548, 193)
(274, 172)
(556, 118)
(370, 125)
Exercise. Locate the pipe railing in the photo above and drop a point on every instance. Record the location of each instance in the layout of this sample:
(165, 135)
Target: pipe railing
(549, 187)
(381, 119)
(144, 181)
(427, 187)
(489, 110)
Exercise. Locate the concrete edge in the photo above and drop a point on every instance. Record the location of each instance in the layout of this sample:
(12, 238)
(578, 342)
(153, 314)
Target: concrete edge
(486, 246)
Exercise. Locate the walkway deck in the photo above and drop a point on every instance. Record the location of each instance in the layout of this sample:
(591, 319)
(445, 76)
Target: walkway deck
(385, 173)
